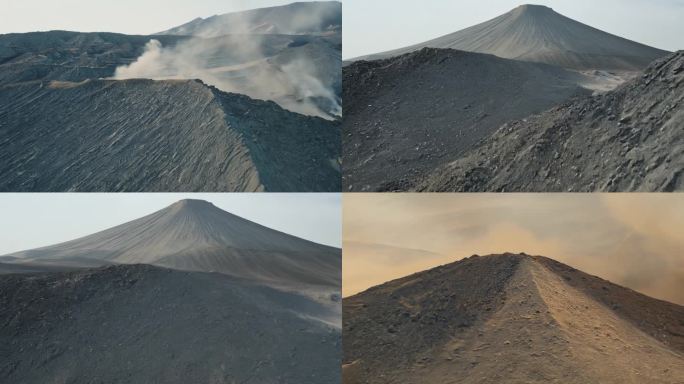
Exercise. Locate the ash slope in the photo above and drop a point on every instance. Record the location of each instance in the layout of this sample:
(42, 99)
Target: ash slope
(539, 34)
(510, 318)
(292, 19)
(630, 139)
(143, 324)
(195, 235)
(144, 135)
(69, 56)
(407, 115)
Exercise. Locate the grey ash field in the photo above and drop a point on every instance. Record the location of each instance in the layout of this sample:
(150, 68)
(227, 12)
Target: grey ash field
(530, 101)
(188, 294)
(510, 318)
(237, 102)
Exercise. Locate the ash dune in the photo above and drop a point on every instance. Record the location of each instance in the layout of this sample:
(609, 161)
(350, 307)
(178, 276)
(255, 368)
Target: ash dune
(510, 318)
(144, 324)
(195, 235)
(539, 34)
(629, 139)
(406, 115)
(144, 135)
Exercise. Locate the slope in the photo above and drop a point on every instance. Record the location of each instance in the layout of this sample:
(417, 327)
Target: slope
(69, 56)
(539, 34)
(407, 115)
(143, 324)
(510, 318)
(143, 135)
(630, 139)
(297, 18)
(195, 235)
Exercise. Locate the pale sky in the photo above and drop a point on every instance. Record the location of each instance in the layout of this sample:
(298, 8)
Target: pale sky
(31, 220)
(123, 16)
(372, 26)
(634, 240)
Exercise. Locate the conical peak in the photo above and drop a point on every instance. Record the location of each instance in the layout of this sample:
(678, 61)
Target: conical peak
(192, 203)
(532, 9)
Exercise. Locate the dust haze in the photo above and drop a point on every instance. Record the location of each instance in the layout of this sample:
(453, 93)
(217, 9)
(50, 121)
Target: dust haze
(266, 67)
(632, 240)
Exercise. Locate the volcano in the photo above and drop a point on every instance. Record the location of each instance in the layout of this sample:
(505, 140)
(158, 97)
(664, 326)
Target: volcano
(194, 293)
(195, 235)
(510, 318)
(539, 34)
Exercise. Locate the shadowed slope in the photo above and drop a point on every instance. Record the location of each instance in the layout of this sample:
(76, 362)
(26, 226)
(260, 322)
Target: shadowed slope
(629, 139)
(407, 115)
(510, 318)
(537, 33)
(144, 135)
(143, 324)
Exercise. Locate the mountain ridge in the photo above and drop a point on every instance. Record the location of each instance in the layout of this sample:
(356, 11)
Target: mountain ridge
(114, 136)
(628, 139)
(513, 318)
(406, 115)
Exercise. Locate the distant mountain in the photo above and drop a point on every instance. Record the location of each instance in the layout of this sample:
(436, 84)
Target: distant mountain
(195, 235)
(144, 324)
(630, 139)
(539, 34)
(171, 135)
(510, 318)
(407, 115)
(293, 19)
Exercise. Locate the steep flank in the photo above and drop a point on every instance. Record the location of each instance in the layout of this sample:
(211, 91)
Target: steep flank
(197, 236)
(539, 34)
(144, 135)
(143, 324)
(405, 116)
(296, 18)
(510, 318)
(630, 139)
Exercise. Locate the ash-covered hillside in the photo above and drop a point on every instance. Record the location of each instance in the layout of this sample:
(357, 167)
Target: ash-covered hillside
(144, 324)
(145, 135)
(187, 294)
(407, 115)
(630, 139)
(510, 318)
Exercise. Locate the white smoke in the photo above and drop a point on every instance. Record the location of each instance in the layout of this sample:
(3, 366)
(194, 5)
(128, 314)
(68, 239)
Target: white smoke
(237, 64)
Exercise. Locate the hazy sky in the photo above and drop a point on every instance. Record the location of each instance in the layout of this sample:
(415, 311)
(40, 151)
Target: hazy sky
(123, 16)
(372, 26)
(634, 240)
(33, 220)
